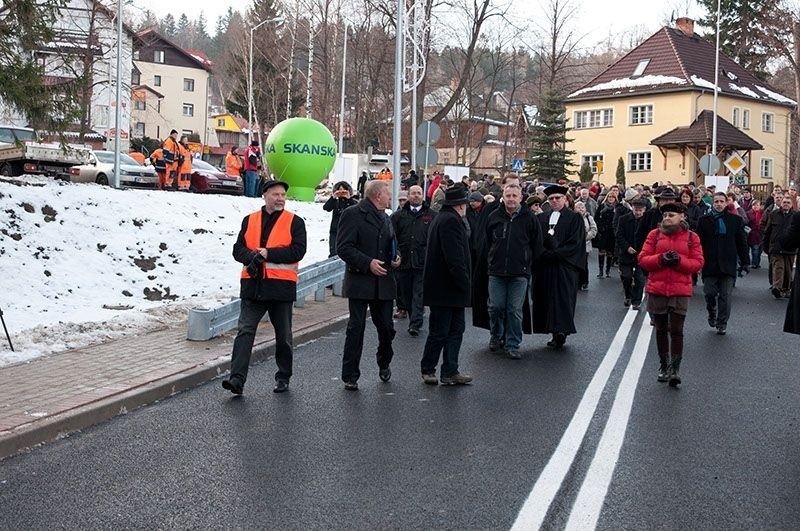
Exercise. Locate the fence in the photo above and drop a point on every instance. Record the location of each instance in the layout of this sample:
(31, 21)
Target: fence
(205, 323)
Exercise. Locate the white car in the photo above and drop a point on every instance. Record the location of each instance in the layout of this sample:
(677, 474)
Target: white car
(100, 170)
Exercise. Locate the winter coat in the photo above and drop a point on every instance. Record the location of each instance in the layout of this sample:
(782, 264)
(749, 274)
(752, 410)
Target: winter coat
(651, 219)
(777, 223)
(591, 230)
(437, 199)
(720, 251)
(626, 237)
(476, 223)
(755, 237)
(791, 241)
(337, 206)
(514, 241)
(665, 280)
(447, 277)
(606, 214)
(366, 233)
(693, 215)
(411, 230)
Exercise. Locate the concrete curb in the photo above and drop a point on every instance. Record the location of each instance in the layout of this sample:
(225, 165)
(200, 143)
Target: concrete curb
(62, 425)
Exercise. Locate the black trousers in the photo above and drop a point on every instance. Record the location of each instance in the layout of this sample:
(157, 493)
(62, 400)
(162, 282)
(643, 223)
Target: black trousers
(446, 331)
(410, 282)
(332, 243)
(381, 312)
(633, 281)
(280, 315)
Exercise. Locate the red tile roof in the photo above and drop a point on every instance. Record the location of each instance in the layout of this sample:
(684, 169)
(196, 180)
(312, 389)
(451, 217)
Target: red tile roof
(700, 133)
(677, 62)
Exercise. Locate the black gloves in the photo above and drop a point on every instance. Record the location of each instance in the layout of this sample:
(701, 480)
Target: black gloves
(254, 268)
(670, 259)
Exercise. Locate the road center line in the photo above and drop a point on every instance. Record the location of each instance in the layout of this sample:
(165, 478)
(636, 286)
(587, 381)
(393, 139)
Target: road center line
(544, 491)
(589, 503)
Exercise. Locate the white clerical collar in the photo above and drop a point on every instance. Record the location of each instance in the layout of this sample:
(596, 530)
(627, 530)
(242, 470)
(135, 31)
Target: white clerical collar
(416, 208)
(554, 217)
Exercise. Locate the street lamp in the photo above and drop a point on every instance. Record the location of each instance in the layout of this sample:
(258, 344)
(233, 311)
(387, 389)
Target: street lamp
(250, 78)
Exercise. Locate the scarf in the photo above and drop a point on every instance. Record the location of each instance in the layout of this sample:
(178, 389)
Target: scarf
(672, 229)
(721, 228)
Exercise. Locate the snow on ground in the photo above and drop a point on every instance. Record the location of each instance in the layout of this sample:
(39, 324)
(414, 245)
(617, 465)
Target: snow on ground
(81, 264)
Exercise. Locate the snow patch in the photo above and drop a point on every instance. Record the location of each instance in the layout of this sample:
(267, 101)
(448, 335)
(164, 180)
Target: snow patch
(698, 81)
(744, 90)
(644, 81)
(775, 96)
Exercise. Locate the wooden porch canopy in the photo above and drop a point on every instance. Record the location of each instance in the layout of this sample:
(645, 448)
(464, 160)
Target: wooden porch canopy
(696, 140)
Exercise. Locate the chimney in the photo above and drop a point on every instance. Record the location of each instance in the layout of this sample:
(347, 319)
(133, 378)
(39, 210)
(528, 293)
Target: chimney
(686, 25)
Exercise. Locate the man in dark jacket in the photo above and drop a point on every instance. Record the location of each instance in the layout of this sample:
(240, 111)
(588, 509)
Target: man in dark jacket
(780, 259)
(270, 244)
(790, 241)
(514, 241)
(447, 289)
(336, 203)
(723, 239)
(367, 245)
(411, 224)
(627, 250)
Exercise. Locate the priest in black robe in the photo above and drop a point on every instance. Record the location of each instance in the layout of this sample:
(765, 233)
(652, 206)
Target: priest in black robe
(556, 273)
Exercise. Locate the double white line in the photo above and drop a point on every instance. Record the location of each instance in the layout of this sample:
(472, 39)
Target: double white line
(586, 510)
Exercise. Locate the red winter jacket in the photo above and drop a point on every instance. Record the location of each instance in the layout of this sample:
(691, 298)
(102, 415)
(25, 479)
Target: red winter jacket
(671, 281)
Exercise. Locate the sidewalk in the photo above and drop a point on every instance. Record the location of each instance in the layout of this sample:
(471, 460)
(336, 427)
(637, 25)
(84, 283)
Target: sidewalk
(51, 397)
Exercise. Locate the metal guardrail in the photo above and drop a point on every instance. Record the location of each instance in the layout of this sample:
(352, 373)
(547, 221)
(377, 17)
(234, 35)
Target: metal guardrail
(205, 323)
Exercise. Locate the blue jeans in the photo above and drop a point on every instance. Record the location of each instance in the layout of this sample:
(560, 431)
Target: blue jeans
(755, 255)
(251, 183)
(506, 296)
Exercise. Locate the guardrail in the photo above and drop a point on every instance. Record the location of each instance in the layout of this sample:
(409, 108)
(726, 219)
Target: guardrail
(205, 323)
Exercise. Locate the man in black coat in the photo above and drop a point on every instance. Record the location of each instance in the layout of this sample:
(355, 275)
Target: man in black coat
(723, 239)
(790, 241)
(447, 289)
(411, 224)
(270, 244)
(336, 203)
(366, 242)
(780, 259)
(627, 249)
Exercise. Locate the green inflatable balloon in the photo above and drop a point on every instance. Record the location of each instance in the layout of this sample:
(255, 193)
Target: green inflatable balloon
(301, 152)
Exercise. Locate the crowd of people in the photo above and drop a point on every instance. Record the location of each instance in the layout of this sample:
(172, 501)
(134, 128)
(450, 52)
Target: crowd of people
(517, 253)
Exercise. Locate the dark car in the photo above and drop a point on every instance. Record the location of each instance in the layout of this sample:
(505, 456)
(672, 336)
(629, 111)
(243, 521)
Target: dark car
(206, 179)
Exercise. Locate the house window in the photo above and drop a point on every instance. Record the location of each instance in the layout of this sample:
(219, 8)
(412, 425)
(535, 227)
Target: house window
(745, 118)
(188, 85)
(736, 113)
(641, 115)
(186, 132)
(768, 122)
(640, 161)
(594, 118)
(138, 130)
(136, 55)
(156, 81)
(136, 78)
(139, 105)
(158, 56)
(158, 107)
(220, 122)
(765, 170)
(493, 130)
(592, 160)
(640, 67)
(188, 109)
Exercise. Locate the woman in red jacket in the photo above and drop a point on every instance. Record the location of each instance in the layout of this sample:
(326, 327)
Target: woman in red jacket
(671, 254)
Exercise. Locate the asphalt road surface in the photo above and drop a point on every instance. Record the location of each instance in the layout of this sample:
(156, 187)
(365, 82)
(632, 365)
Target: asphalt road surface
(577, 439)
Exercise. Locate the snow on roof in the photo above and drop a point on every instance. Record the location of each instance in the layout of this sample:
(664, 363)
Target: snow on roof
(490, 121)
(644, 81)
(744, 90)
(775, 96)
(698, 81)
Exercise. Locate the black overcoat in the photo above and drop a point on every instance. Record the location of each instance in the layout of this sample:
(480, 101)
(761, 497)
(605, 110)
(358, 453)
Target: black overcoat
(411, 230)
(625, 237)
(791, 240)
(721, 251)
(365, 233)
(447, 276)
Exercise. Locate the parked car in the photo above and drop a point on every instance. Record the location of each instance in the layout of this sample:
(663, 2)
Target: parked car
(100, 170)
(206, 179)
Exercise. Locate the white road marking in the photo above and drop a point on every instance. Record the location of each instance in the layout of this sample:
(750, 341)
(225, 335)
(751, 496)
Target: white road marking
(589, 503)
(544, 491)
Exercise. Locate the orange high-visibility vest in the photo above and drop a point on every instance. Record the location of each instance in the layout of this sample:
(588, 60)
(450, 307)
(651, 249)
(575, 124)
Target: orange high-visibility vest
(281, 236)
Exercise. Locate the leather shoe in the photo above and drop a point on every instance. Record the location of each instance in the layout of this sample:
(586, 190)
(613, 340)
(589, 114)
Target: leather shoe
(430, 379)
(351, 386)
(232, 386)
(281, 386)
(385, 374)
(413, 332)
(457, 379)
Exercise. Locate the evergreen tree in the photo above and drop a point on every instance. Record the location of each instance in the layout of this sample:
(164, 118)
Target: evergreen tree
(549, 160)
(585, 173)
(621, 172)
(181, 29)
(168, 26)
(744, 32)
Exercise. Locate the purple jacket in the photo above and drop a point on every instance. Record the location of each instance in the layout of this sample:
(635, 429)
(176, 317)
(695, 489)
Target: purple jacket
(754, 222)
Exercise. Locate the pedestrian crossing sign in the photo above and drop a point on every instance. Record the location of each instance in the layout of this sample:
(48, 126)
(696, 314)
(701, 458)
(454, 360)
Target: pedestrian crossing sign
(518, 165)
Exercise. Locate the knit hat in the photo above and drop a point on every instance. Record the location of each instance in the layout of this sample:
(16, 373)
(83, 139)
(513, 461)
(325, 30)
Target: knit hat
(475, 196)
(630, 193)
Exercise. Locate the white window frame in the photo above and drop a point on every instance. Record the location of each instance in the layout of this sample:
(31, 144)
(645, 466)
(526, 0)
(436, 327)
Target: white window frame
(156, 80)
(190, 84)
(641, 106)
(770, 167)
(136, 128)
(158, 56)
(592, 159)
(493, 130)
(635, 167)
(188, 107)
(768, 126)
(736, 117)
(640, 68)
(593, 118)
(745, 118)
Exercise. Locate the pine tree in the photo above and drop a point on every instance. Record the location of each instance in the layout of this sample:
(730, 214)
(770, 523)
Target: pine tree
(548, 159)
(168, 26)
(621, 171)
(585, 173)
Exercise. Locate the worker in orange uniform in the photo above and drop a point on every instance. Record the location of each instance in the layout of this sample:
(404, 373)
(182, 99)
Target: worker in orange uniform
(160, 165)
(172, 151)
(385, 175)
(137, 156)
(233, 163)
(185, 168)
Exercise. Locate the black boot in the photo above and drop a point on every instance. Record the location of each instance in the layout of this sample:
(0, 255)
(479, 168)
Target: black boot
(601, 261)
(674, 374)
(663, 369)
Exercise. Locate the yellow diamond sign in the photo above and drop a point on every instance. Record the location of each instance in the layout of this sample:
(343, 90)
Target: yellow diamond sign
(735, 163)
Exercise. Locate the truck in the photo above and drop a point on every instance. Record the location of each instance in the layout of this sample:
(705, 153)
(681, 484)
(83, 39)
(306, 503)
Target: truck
(21, 153)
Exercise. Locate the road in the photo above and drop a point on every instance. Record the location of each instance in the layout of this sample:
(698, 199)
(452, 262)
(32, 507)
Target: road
(580, 438)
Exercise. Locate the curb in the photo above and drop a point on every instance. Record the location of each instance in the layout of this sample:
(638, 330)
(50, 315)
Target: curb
(64, 424)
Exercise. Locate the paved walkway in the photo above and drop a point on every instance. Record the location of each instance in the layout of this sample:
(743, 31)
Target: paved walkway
(53, 396)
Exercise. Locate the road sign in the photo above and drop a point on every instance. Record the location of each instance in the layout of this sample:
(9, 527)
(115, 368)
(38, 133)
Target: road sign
(427, 156)
(518, 165)
(709, 164)
(599, 164)
(428, 133)
(735, 163)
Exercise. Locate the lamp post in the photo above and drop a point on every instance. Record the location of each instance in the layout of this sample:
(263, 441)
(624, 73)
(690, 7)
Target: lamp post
(398, 101)
(341, 107)
(250, 78)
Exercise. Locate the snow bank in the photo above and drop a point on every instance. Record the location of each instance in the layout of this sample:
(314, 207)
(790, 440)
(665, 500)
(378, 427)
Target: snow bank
(82, 264)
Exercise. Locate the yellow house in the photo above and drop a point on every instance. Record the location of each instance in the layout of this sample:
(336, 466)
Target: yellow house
(648, 109)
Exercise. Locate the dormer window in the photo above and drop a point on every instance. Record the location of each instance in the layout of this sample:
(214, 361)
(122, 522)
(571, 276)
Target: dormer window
(730, 75)
(640, 67)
